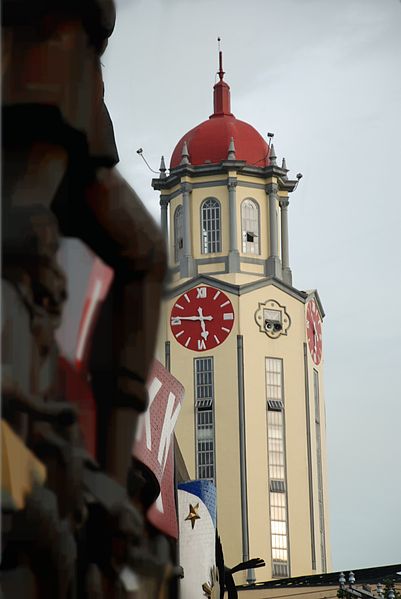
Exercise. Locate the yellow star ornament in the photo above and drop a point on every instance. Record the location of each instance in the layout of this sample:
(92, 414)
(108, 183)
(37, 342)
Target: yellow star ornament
(193, 514)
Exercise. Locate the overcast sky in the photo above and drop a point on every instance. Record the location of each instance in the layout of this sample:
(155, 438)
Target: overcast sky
(325, 77)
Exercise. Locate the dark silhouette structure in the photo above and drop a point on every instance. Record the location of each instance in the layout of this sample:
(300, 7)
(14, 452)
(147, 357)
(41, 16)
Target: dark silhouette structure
(225, 575)
(72, 526)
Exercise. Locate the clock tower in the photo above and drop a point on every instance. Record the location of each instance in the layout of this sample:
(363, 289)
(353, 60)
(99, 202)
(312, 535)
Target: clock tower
(246, 344)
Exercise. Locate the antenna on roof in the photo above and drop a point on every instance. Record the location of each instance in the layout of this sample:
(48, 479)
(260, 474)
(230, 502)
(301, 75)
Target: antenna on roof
(220, 72)
(140, 152)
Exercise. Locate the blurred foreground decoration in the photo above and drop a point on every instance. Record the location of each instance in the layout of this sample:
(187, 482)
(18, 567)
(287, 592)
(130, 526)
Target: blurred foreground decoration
(74, 524)
(17, 483)
(197, 521)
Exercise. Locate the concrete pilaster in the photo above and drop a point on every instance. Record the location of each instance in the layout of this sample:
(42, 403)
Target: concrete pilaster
(273, 264)
(233, 256)
(285, 258)
(186, 262)
(163, 219)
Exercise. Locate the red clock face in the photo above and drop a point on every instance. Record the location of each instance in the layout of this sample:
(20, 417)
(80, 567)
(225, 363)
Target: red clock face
(202, 318)
(314, 331)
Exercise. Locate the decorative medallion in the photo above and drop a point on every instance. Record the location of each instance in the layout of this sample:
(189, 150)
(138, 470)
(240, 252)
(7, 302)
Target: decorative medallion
(314, 331)
(202, 318)
(272, 319)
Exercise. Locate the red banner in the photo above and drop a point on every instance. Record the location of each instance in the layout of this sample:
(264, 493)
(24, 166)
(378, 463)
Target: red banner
(154, 445)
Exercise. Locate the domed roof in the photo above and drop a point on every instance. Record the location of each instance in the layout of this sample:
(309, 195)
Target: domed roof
(209, 142)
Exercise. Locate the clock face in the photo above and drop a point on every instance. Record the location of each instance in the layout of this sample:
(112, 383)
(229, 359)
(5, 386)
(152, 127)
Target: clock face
(202, 318)
(314, 331)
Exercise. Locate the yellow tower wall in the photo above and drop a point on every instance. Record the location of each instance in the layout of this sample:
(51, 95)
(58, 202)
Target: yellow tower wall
(227, 456)
(256, 347)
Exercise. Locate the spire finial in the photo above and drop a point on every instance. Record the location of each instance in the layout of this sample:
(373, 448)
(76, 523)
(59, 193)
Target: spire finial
(284, 167)
(162, 168)
(221, 93)
(185, 154)
(272, 156)
(221, 72)
(231, 150)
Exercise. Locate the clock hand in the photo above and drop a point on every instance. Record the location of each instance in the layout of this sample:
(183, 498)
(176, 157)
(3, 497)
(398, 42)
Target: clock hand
(204, 332)
(201, 317)
(194, 317)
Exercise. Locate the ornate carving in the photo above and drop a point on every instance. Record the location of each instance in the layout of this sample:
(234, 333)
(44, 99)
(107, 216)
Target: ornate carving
(232, 183)
(186, 187)
(272, 319)
(272, 189)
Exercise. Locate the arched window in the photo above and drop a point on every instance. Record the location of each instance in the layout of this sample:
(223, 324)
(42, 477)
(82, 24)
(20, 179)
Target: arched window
(178, 233)
(211, 226)
(250, 227)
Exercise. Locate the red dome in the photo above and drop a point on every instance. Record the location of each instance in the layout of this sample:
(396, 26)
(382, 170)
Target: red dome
(209, 141)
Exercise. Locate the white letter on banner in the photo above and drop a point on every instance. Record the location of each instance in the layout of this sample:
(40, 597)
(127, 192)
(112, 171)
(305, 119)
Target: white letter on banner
(168, 426)
(159, 503)
(152, 391)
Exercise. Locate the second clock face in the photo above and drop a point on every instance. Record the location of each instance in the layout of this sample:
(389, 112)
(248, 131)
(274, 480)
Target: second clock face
(202, 318)
(314, 331)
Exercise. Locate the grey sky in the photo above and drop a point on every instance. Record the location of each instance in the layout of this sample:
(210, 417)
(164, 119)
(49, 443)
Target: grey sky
(324, 76)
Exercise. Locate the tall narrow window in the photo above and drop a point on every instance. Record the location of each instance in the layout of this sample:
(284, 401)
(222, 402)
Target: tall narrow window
(319, 471)
(277, 473)
(204, 396)
(250, 227)
(178, 233)
(211, 226)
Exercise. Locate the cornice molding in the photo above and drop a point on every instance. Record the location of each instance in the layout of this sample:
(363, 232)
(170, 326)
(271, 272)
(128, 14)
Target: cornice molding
(313, 294)
(205, 170)
(239, 290)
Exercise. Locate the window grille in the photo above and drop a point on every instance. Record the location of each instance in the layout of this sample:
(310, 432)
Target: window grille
(205, 444)
(203, 403)
(178, 233)
(274, 389)
(204, 395)
(278, 524)
(250, 227)
(276, 461)
(275, 444)
(277, 486)
(204, 378)
(280, 570)
(211, 226)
